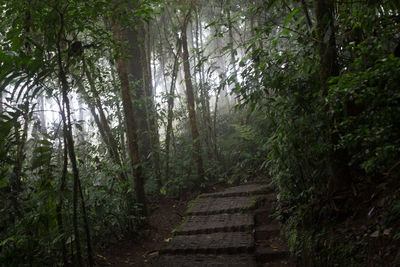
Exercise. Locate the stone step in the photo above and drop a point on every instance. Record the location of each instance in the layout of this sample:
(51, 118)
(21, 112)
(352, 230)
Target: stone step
(272, 249)
(216, 223)
(208, 206)
(280, 263)
(270, 255)
(263, 215)
(201, 260)
(226, 242)
(264, 232)
(242, 190)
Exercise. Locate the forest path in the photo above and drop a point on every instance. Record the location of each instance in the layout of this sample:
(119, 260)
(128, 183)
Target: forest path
(228, 228)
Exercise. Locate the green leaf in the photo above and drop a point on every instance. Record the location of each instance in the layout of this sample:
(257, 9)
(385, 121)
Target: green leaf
(290, 16)
(163, 191)
(3, 182)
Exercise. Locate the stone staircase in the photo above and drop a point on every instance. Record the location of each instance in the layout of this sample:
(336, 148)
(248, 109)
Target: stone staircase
(228, 228)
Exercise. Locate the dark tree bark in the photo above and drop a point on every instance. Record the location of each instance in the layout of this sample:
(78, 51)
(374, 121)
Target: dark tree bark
(136, 80)
(66, 116)
(1, 102)
(190, 99)
(324, 12)
(103, 125)
(204, 96)
(120, 119)
(232, 50)
(171, 108)
(60, 203)
(328, 67)
(122, 68)
(152, 126)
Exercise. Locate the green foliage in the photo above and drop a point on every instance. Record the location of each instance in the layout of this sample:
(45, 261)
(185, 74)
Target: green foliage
(36, 187)
(308, 129)
(366, 110)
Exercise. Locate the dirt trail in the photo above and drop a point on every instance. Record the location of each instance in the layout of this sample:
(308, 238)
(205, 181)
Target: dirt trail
(165, 215)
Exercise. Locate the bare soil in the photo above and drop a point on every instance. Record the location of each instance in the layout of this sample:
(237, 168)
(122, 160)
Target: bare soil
(165, 215)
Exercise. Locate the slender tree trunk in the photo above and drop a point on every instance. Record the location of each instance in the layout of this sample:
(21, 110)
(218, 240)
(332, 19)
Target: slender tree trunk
(232, 51)
(61, 202)
(1, 102)
(122, 134)
(171, 108)
(305, 10)
(120, 120)
(206, 90)
(152, 125)
(104, 127)
(215, 123)
(324, 10)
(42, 117)
(204, 100)
(66, 114)
(122, 68)
(190, 100)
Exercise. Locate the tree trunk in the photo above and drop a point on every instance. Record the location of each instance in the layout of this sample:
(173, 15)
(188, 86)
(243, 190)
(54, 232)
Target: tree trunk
(324, 12)
(328, 67)
(103, 125)
(215, 122)
(122, 68)
(1, 103)
(190, 100)
(204, 99)
(305, 10)
(60, 203)
(232, 51)
(42, 117)
(152, 125)
(66, 116)
(120, 120)
(136, 79)
(171, 108)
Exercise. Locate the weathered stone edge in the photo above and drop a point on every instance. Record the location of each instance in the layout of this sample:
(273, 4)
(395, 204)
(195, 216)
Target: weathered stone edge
(264, 189)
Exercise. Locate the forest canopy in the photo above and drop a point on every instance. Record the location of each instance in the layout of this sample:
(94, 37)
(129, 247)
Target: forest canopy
(107, 104)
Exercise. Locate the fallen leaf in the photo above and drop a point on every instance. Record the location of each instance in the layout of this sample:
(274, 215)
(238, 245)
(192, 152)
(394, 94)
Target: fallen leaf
(375, 234)
(387, 231)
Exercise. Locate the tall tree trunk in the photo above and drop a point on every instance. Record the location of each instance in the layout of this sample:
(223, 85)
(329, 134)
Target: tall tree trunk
(215, 122)
(170, 114)
(60, 203)
(136, 79)
(328, 65)
(121, 128)
(204, 99)
(66, 116)
(190, 99)
(1, 103)
(152, 125)
(42, 117)
(232, 51)
(122, 68)
(120, 120)
(103, 125)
